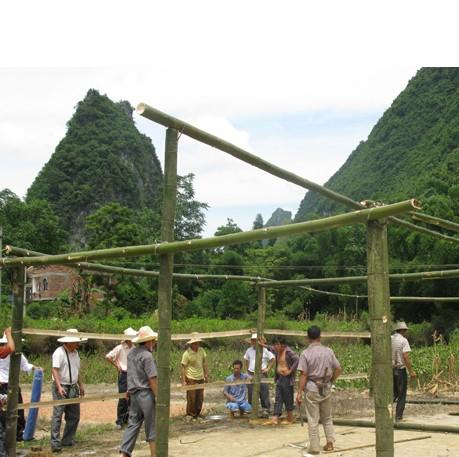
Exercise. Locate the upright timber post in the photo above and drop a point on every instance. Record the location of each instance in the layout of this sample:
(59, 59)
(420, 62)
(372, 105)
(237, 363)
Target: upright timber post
(381, 325)
(166, 267)
(259, 351)
(15, 361)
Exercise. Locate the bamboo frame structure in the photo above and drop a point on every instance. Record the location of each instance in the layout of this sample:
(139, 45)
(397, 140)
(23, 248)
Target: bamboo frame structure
(166, 268)
(15, 361)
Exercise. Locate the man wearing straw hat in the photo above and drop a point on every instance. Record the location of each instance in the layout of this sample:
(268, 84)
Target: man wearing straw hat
(66, 384)
(142, 389)
(400, 363)
(118, 358)
(194, 371)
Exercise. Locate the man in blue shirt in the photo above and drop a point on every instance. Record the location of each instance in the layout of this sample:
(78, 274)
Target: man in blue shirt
(236, 395)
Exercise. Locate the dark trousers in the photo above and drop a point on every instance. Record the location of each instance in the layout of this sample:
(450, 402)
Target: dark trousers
(400, 388)
(264, 393)
(122, 411)
(284, 395)
(194, 398)
(2, 441)
(21, 417)
(71, 414)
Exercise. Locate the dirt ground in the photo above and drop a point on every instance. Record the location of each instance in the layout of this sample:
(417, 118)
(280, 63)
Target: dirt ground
(226, 437)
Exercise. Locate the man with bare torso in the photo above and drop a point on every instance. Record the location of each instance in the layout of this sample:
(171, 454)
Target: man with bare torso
(286, 365)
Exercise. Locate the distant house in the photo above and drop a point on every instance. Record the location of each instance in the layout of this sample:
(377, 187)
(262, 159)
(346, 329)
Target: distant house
(49, 281)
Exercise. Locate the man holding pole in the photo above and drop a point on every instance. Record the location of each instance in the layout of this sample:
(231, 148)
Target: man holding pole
(118, 358)
(66, 384)
(319, 368)
(142, 386)
(400, 363)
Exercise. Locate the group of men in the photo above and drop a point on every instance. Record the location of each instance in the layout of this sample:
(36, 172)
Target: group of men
(137, 377)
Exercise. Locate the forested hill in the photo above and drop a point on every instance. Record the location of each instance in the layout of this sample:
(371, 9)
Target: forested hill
(413, 151)
(103, 158)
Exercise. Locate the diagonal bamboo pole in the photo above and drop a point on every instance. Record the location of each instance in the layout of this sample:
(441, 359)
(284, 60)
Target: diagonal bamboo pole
(380, 325)
(166, 120)
(166, 268)
(361, 216)
(443, 223)
(15, 361)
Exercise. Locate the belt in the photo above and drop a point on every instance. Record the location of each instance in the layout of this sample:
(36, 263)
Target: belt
(69, 385)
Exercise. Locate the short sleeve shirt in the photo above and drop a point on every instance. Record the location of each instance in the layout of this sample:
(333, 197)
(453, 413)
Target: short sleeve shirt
(250, 356)
(141, 367)
(319, 363)
(194, 363)
(238, 391)
(61, 362)
(119, 353)
(4, 351)
(399, 346)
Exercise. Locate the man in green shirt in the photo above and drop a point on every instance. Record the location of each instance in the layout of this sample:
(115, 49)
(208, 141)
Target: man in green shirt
(194, 371)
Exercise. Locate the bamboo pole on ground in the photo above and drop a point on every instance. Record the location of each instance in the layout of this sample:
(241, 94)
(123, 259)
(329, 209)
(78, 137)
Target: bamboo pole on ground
(443, 223)
(15, 361)
(259, 351)
(361, 216)
(380, 324)
(166, 268)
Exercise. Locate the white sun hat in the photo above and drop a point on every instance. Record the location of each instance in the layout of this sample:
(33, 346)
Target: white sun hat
(254, 336)
(145, 334)
(400, 326)
(129, 333)
(72, 337)
(194, 338)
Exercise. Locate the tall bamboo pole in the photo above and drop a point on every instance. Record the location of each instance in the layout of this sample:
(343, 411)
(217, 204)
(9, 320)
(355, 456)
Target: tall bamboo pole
(166, 267)
(15, 361)
(259, 351)
(427, 218)
(380, 324)
(361, 216)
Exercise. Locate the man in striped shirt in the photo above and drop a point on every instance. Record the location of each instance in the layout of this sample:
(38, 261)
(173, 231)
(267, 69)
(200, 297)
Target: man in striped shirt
(400, 364)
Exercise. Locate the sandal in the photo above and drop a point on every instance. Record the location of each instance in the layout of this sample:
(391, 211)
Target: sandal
(328, 447)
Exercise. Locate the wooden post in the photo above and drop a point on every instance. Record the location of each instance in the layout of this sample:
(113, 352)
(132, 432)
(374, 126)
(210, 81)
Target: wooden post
(15, 361)
(381, 325)
(166, 267)
(259, 351)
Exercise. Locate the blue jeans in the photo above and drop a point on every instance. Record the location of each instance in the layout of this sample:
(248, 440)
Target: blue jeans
(239, 406)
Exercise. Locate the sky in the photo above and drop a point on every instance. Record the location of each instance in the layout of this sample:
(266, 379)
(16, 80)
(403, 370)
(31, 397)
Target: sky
(297, 83)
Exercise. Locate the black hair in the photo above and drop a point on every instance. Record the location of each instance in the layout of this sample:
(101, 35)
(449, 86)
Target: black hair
(313, 332)
(237, 362)
(280, 340)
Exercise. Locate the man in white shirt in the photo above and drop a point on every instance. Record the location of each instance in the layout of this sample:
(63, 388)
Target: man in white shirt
(66, 384)
(400, 363)
(267, 361)
(118, 358)
(4, 375)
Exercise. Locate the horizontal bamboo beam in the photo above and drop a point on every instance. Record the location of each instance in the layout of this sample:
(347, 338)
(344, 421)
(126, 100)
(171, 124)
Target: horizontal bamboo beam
(428, 219)
(361, 216)
(187, 336)
(423, 275)
(425, 231)
(425, 299)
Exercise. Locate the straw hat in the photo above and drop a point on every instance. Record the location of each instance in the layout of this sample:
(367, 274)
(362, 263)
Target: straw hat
(400, 326)
(194, 338)
(69, 338)
(129, 333)
(145, 334)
